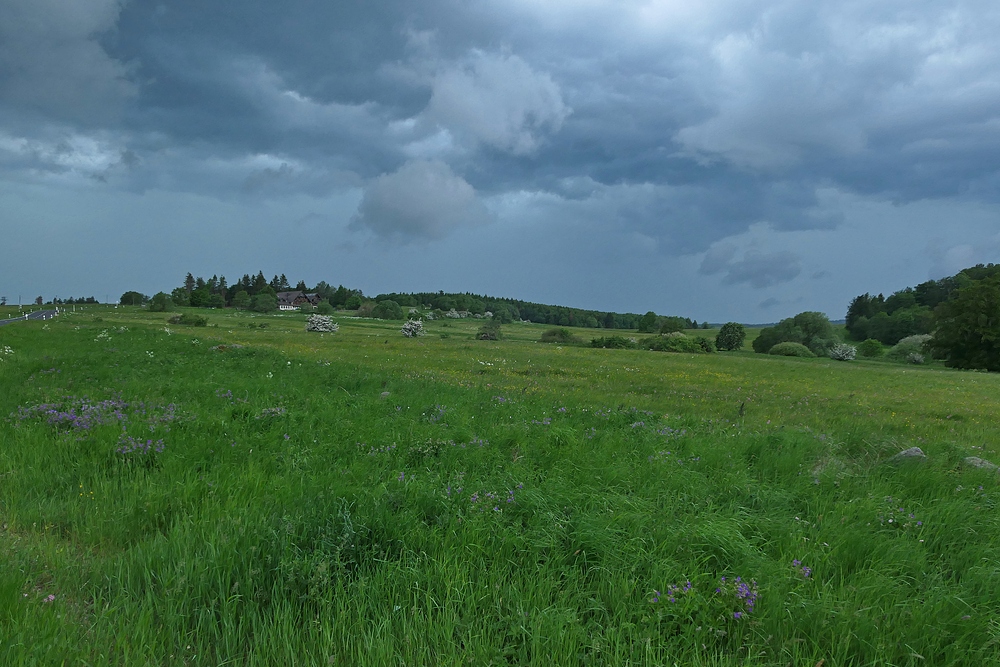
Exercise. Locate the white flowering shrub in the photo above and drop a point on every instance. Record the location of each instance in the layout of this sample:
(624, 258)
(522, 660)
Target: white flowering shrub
(914, 358)
(843, 352)
(322, 324)
(412, 328)
(909, 346)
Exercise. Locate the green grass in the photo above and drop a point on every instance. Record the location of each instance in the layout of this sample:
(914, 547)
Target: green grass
(343, 499)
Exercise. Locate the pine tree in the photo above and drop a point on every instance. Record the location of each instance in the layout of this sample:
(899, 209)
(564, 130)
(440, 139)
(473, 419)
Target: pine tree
(259, 283)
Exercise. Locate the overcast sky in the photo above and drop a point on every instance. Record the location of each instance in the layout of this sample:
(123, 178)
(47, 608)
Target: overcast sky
(721, 160)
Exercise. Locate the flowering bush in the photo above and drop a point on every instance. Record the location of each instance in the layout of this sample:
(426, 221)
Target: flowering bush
(322, 324)
(412, 328)
(909, 346)
(843, 352)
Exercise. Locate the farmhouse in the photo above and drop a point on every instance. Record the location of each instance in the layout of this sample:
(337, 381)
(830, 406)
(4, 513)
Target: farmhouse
(294, 300)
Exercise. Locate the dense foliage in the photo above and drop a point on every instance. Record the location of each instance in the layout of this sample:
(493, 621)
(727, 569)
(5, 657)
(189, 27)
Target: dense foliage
(559, 335)
(967, 333)
(870, 348)
(843, 352)
(730, 336)
(508, 310)
(216, 292)
(161, 303)
(132, 298)
(678, 342)
(909, 311)
(811, 329)
(790, 349)
(490, 330)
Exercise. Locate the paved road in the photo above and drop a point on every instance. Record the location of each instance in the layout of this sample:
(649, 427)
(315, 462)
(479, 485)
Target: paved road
(37, 315)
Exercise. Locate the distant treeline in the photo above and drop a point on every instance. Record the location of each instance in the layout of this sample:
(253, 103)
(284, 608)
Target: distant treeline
(217, 292)
(257, 293)
(909, 311)
(70, 301)
(509, 310)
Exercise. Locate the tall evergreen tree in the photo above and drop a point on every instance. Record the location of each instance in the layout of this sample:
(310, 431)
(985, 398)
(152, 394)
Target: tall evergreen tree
(259, 283)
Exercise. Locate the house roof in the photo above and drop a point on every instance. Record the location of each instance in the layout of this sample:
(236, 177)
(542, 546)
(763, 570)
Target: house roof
(288, 297)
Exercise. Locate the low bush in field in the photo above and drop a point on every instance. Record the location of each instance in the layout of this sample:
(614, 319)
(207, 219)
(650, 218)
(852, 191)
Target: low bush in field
(559, 335)
(904, 349)
(321, 324)
(489, 331)
(387, 310)
(412, 328)
(189, 319)
(789, 349)
(679, 343)
(843, 352)
(161, 303)
(871, 348)
(614, 343)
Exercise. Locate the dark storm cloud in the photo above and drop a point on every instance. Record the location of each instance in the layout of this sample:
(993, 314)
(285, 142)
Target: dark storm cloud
(52, 65)
(755, 268)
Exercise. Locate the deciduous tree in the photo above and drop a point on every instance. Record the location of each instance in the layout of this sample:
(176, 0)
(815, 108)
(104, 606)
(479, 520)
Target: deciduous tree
(967, 333)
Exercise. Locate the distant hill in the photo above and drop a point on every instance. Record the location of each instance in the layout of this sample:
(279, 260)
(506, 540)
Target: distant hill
(516, 309)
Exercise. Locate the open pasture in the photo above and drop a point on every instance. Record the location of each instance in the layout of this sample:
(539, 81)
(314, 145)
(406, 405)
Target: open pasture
(238, 495)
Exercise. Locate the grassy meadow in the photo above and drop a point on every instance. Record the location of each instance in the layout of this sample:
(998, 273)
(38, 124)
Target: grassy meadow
(243, 494)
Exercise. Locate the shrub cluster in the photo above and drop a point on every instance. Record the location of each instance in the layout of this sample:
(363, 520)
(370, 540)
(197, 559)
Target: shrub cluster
(811, 329)
(387, 310)
(790, 349)
(614, 343)
(679, 343)
(911, 345)
(489, 331)
(322, 324)
(870, 348)
(843, 352)
(559, 335)
(189, 319)
(161, 303)
(412, 328)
